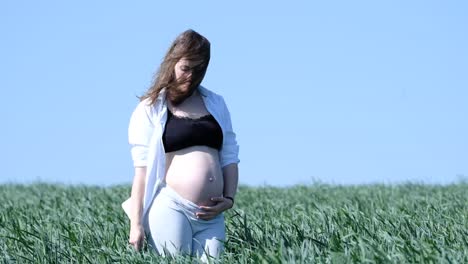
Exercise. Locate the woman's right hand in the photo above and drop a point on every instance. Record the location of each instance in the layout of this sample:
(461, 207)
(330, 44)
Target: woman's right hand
(137, 236)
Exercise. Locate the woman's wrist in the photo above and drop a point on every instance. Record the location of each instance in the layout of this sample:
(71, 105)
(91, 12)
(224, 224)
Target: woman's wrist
(136, 224)
(230, 198)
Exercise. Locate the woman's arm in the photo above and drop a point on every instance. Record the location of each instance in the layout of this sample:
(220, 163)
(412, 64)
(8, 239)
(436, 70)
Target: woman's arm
(136, 226)
(231, 177)
(140, 131)
(138, 190)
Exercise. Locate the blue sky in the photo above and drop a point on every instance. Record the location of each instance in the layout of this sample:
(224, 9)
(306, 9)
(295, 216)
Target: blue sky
(346, 92)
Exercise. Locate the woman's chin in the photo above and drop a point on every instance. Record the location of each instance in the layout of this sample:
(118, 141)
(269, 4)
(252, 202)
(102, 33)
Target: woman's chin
(185, 87)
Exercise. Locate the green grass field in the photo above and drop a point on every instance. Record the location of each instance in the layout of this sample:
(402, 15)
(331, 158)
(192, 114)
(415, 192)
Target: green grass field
(408, 223)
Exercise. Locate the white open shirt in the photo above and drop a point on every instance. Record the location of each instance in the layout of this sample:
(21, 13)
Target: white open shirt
(145, 137)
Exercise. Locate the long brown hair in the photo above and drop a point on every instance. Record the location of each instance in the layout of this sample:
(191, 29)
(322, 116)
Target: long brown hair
(190, 45)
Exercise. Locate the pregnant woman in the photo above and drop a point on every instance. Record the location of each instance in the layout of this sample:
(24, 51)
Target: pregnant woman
(185, 156)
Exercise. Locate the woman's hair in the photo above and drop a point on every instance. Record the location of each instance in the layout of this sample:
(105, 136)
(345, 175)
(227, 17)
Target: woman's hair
(189, 45)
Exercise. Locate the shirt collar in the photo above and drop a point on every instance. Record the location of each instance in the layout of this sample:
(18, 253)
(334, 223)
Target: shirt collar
(203, 91)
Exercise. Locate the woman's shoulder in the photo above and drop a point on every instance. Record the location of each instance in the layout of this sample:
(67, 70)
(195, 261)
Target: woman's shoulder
(148, 104)
(145, 108)
(145, 103)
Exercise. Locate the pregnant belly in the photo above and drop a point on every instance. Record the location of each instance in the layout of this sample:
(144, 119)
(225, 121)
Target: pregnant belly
(195, 174)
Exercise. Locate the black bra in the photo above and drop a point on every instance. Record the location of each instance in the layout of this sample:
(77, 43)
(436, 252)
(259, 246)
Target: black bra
(184, 132)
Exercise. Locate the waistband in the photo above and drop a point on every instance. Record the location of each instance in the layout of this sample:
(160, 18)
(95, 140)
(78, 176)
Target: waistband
(188, 205)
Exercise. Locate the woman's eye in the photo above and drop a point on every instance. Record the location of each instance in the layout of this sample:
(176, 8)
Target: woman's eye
(185, 68)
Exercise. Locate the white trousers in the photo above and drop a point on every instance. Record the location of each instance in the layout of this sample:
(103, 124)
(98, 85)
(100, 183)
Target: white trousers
(174, 228)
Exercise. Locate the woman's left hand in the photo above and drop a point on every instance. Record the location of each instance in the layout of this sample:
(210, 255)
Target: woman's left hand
(209, 212)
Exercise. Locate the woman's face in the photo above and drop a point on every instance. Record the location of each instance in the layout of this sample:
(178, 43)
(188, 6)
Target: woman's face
(184, 70)
(186, 73)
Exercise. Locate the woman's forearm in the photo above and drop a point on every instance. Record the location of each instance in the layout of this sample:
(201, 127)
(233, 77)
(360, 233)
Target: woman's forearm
(231, 177)
(138, 190)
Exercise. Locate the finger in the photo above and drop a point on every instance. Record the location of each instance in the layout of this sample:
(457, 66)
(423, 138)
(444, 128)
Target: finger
(198, 214)
(206, 215)
(215, 208)
(217, 199)
(207, 208)
(138, 246)
(135, 244)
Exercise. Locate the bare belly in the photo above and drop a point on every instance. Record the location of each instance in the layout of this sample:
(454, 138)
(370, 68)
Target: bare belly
(195, 174)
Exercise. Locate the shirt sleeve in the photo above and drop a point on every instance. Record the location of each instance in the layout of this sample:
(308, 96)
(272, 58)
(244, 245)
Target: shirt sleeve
(140, 130)
(230, 150)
